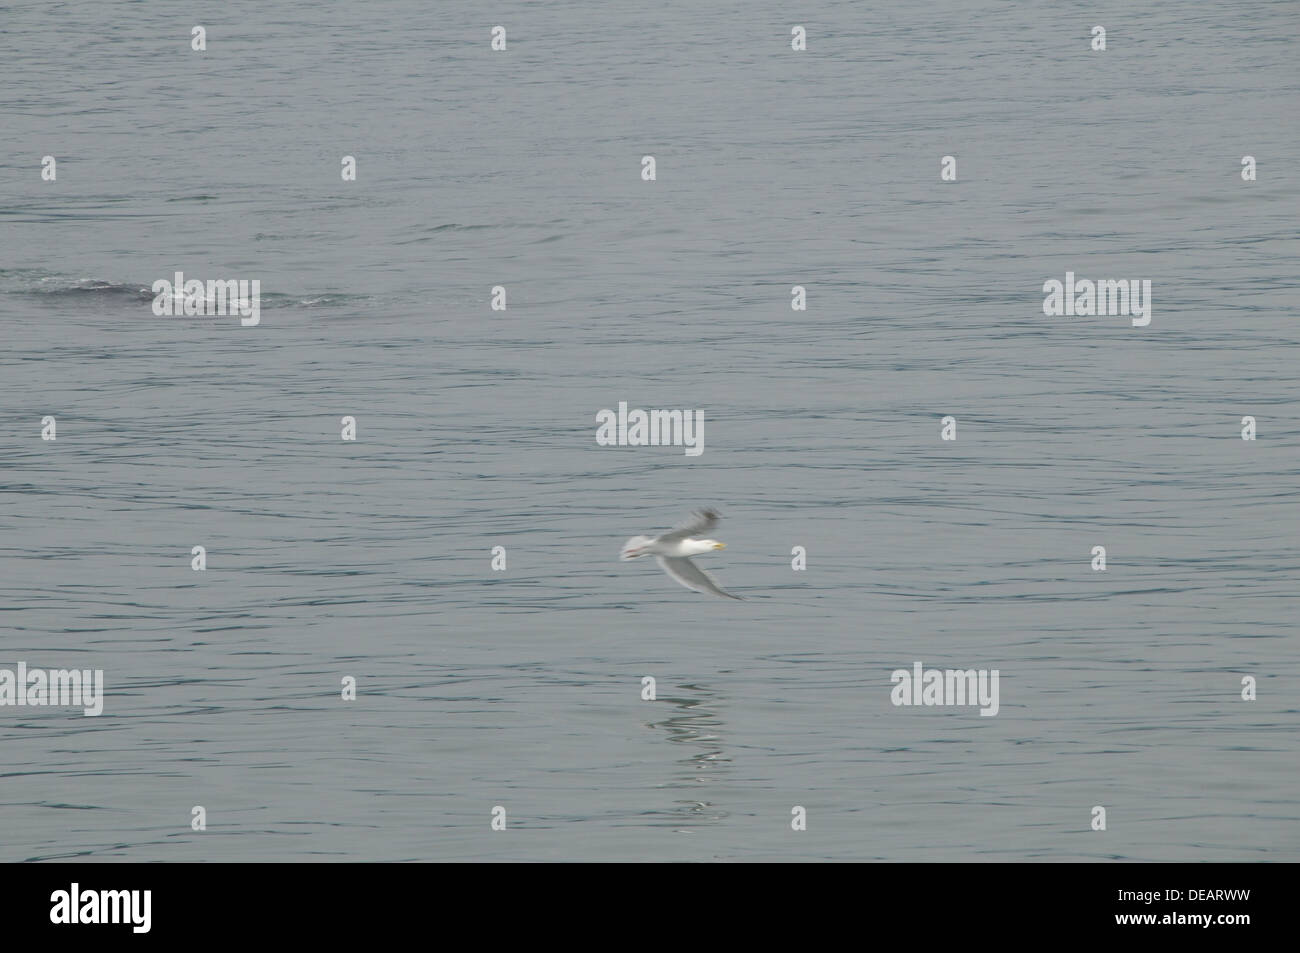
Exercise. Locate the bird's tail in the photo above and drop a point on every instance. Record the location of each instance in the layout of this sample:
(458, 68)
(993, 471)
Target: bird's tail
(635, 547)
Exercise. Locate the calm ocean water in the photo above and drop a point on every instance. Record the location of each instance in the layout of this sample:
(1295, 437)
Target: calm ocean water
(476, 429)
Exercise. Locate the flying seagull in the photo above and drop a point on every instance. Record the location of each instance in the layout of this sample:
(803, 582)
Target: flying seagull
(674, 549)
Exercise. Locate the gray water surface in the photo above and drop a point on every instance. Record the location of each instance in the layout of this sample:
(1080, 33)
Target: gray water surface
(476, 429)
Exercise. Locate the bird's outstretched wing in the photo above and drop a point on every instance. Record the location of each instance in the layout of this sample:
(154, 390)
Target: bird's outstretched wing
(701, 522)
(691, 576)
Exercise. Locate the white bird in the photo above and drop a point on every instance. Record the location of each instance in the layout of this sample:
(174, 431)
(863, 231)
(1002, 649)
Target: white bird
(673, 550)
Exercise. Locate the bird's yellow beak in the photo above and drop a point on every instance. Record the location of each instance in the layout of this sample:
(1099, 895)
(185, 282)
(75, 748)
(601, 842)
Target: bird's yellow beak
(719, 545)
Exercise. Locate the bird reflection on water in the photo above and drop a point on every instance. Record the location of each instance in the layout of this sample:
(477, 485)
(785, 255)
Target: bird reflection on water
(696, 724)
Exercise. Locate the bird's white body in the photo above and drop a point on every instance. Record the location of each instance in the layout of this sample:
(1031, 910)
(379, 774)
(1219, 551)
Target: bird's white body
(648, 546)
(673, 550)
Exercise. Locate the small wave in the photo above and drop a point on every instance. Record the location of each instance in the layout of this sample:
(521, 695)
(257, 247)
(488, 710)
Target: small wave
(62, 287)
(56, 286)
